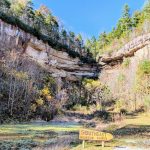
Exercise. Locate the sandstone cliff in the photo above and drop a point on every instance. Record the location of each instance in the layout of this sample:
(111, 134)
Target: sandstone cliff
(58, 63)
(114, 70)
(128, 50)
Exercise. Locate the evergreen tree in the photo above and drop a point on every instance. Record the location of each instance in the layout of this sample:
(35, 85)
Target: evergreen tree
(28, 13)
(94, 46)
(103, 39)
(64, 36)
(80, 44)
(72, 39)
(88, 44)
(146, 10)
(4, 5)
(136, 18)
(125, 22)
(111, 36)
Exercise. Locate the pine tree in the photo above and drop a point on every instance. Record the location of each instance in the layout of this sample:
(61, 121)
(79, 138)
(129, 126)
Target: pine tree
(4, 4)
(126, 22)
(136, 18)
(146, 10)
(94, 46)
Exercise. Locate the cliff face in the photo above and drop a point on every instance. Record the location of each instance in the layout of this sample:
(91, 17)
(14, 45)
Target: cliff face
(129, 50)
(59, 64)
(120, 69)
(36, 80)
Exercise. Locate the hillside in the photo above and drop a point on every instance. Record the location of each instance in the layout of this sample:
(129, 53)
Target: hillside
(127, 71)
(41, 61)
(53, 83)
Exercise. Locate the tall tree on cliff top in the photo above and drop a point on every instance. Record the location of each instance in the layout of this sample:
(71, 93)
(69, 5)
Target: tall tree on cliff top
(23, 9)
(18, 7)
(137, 19)
(146, 10)
(4, 5)
(93, 46)
(80, 43)
(125, 22)
(126, 18)
(46, 22)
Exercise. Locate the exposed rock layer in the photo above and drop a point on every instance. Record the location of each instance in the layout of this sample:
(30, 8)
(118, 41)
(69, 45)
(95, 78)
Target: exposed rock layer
(58, 63)
(127, 50)
(121, 79)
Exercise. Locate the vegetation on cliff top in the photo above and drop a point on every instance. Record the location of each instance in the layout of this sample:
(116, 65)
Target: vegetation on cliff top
(42, 24)
(128, 27)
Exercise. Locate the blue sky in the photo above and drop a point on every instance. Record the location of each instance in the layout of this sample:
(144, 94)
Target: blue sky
(89, 17)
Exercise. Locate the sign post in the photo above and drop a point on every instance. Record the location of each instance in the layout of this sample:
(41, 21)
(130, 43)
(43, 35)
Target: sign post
(92, 135)
(83, 144)
(103, 144)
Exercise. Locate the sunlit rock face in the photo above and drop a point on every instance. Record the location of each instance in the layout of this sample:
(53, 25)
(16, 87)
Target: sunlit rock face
(57, 63)
(130, 49)
(135, 52)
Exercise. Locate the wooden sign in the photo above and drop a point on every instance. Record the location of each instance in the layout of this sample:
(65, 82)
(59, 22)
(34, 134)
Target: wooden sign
(92, 135)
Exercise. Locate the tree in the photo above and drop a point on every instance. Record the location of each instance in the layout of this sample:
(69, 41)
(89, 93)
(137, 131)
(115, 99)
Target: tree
(103, 39)
(18, 6)
(136, 19)
(72, 39)
(39, 21)
(4, 5)
(88, 44)
(29, 14)
(146, 10)
(112, 35)
(46, 22)
(125, 23)
(126, 19)
(79, 43)
(93, 46)
(64, 36)
(98, 93)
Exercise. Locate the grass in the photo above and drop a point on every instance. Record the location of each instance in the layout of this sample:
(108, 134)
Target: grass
(98, 145)
(143, 119)
(42, 133)
(30, 135)
(35, 128)
(141, 123)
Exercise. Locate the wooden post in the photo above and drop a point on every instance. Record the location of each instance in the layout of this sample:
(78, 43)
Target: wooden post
(83, 144)
(103, 144)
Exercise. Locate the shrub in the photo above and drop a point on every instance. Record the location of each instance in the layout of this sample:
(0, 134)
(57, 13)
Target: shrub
(120, 105)
(121, 78)
(21, 145)
(144, 68)
(126, 63)
(102, 115)
(143, 78)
